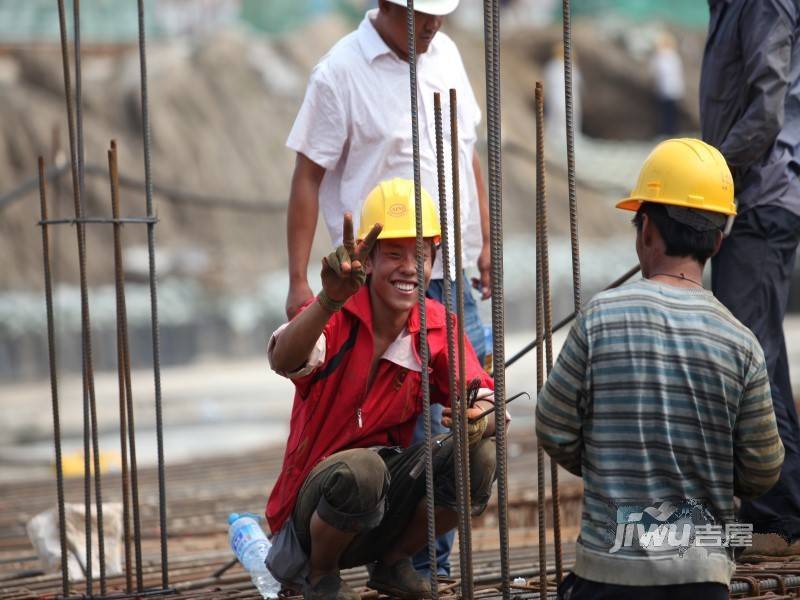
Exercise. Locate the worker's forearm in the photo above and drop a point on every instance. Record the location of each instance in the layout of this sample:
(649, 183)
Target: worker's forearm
(483, 197)
(301, 221)
(295, 343)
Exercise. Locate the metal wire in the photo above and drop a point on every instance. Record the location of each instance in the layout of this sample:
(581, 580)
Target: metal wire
(162, 498)
(51, 348)
(544, 247)
(169, 194)
(492, 52)
(423, 327)
(99, 220)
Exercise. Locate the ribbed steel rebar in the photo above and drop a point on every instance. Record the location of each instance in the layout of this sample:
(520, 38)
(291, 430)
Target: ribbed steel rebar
(463, 457)
(492, 52)
(151, 242)
(541, 493)
(123, 371)
(51, 352)
(423, 327)
(570, 128)
(88, 384)
(541, 196)
(451, 339)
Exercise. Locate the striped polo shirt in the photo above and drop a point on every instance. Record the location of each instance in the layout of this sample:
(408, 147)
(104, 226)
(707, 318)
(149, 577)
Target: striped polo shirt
(660, 400)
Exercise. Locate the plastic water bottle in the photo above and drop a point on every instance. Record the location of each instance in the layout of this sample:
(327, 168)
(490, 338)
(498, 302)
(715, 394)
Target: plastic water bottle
(250, 545)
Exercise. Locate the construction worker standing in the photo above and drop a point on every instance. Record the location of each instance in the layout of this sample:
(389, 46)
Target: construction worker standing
(750, 110)
(353, 130)
(345, 496)
(660, 400)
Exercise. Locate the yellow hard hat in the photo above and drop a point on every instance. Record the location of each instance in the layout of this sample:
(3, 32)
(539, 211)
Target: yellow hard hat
(391, 202)
(684, 172)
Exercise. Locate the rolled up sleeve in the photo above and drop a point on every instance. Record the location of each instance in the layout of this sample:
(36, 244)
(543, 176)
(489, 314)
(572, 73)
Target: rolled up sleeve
(316, 357)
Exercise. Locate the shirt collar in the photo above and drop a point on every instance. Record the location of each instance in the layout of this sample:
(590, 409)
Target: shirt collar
(371, 42)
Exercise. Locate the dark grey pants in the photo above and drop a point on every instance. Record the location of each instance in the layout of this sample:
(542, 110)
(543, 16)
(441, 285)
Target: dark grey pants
(751, 276)
(371, 493)
(577, 588)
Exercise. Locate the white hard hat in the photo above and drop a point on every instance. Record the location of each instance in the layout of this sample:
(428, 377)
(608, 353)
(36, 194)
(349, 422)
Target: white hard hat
(431, 7)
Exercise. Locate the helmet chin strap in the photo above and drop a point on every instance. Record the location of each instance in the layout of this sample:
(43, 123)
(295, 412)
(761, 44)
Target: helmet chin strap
(728, 226)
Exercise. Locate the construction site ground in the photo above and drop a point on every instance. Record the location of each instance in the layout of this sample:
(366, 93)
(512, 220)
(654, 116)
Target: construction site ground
(225, 426)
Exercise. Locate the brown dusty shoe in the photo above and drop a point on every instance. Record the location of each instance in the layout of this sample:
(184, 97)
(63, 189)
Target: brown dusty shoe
(771, 545)
(399, 580)
(330, 587)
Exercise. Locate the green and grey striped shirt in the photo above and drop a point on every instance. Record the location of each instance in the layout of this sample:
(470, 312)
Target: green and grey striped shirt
(660, 400)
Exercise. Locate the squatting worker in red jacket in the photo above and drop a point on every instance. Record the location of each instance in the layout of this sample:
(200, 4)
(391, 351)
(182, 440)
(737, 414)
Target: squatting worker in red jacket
(345, 496)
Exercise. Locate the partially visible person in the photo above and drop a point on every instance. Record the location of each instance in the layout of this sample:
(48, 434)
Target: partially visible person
(666, 70)
(750, 110)
(555, 107)
(660, 400)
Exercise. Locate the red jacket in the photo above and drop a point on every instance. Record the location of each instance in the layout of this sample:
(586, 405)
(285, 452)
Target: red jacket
(333, 409)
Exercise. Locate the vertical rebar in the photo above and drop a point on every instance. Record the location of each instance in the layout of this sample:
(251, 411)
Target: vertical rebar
(90, 420)
(121, 350)
(423, 327)
(86, 322)
(544, 246)
(570, 127)
(162, 494)
(51, 349)
(122, 314)
(453, 378)
(493, 94)
(541, 490)
(461, 425)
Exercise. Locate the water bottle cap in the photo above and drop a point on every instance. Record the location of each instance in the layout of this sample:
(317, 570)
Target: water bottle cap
(232, 518)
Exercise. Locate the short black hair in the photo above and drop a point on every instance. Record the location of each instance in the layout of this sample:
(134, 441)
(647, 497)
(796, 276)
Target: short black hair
(679, 239)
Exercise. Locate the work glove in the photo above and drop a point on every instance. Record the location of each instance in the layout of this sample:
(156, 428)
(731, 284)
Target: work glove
(475, 429)
(343, 270)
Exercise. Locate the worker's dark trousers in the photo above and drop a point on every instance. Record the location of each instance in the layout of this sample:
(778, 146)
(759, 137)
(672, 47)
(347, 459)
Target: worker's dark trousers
(577, 588)
(751, 276)
(474, 331)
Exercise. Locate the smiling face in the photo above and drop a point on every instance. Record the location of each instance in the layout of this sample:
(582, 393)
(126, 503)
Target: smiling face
(391, 25)
(393, 269)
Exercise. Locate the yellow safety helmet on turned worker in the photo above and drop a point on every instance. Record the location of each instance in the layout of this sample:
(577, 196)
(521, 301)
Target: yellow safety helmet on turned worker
(391, 202)
(686, 173)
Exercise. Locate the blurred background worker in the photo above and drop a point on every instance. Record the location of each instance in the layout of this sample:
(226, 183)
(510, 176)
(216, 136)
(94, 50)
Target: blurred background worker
(660, 400)
(750, 110)
(555, 102)
(666, 70)
(354, 130)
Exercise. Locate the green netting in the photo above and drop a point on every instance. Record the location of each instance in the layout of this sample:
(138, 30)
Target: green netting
(101, 20)
(278, 16)
(688, 13)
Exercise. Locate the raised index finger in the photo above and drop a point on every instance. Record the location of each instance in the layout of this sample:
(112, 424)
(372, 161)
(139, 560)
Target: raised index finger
(365, 247)
(348, 241)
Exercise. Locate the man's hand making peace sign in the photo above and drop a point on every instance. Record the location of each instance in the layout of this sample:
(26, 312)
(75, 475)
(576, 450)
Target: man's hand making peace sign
(343, 270)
